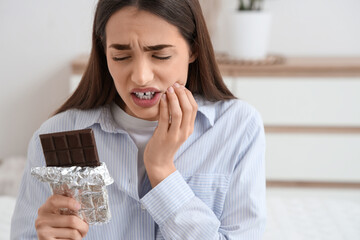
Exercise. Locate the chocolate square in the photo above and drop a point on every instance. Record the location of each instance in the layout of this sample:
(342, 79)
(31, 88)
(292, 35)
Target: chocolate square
(77, 155)
(60, 142)
(51, 159)
(73, 140)
(86, 139)
(47, 144)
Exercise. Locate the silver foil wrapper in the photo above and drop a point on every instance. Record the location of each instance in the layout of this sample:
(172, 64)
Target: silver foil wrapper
(87, 185)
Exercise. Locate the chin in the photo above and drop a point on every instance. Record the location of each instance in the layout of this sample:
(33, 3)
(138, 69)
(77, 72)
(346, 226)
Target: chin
(149, 114)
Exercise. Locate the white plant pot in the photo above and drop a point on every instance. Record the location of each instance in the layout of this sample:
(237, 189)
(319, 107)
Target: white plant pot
(248, 34)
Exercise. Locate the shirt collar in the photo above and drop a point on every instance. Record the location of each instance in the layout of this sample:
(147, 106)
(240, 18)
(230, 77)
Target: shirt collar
(103, 117)
(206, 108)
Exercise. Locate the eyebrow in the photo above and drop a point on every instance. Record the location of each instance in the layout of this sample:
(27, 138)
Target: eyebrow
(146, 48)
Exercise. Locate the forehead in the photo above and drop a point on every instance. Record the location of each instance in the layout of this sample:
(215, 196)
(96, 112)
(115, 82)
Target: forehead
(130, 23)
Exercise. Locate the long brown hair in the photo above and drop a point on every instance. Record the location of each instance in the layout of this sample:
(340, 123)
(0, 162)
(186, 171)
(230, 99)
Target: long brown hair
(96, 87)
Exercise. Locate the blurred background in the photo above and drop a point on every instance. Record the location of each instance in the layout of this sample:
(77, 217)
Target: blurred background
(306, 87)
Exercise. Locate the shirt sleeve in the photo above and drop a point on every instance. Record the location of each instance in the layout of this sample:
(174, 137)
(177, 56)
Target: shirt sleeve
(181, 215)
(32, 195)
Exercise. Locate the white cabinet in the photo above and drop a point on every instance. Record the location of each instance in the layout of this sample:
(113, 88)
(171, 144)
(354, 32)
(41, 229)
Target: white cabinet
(313, 157)
(312, 125)
(303, 101)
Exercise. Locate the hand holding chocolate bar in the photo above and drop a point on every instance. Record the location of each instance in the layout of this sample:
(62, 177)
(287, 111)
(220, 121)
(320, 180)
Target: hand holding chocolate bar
(74, 170)
(64, 226)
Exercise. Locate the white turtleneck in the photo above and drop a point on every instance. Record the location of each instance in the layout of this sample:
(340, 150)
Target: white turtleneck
(140, 132)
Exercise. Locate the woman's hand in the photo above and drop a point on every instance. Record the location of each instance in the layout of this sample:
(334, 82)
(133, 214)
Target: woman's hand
(178, 110)
(50, 224)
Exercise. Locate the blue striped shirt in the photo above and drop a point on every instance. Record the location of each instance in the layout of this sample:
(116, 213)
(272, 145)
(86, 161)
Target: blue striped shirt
(217, 192)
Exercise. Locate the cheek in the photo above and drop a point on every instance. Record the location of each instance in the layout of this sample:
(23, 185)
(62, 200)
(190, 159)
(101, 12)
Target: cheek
(178, 72)
(115, 73)
(183, 75)
(111, 68)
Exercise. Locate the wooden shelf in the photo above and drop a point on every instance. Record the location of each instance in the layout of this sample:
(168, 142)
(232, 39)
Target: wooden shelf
(311, 184)
(312, 129)
(297, 67)
(288, 67)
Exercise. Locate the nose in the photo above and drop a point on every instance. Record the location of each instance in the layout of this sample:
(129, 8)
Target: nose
(142, 72)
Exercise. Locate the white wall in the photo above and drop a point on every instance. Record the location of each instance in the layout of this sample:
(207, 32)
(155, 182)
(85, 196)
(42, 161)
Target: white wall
(306, 27)
(39, 38)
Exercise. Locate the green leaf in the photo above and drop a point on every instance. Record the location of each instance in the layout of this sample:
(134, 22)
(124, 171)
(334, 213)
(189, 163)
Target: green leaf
(253, 5)
(242, 6)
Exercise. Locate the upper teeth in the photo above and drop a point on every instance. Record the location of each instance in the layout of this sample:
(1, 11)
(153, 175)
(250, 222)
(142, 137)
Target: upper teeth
(145, 95)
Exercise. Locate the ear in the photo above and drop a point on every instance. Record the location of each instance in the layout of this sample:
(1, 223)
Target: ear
(193, 57)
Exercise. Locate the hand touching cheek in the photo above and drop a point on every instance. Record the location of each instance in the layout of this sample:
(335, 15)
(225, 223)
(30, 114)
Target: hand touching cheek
(178, 110)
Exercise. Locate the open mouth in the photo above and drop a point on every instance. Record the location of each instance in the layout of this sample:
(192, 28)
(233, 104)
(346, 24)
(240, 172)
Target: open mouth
(144, 95)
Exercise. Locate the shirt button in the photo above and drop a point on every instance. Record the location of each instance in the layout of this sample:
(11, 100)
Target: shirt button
(142, 207)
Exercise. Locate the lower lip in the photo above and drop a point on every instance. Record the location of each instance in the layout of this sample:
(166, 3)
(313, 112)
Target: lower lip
(146, 103)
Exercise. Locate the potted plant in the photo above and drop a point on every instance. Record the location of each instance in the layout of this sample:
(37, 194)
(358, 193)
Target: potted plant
(248, 31)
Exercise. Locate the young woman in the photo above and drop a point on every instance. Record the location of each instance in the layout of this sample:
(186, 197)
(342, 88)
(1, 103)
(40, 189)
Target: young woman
(186, 156)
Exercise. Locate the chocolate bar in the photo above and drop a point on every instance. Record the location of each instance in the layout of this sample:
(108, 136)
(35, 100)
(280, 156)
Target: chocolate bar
(70, 148)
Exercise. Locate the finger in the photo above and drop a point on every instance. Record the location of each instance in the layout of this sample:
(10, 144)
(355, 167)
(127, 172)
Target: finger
(55, 202)
(193, 103)
(163, 124)
(65, 233)
(175, 110)
(186, 107)
(68, 221)
(191, 98)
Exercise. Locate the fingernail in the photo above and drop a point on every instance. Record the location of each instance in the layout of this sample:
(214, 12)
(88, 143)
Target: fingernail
(170, 89)
(77, 206)
(163, 96)
(176, 85)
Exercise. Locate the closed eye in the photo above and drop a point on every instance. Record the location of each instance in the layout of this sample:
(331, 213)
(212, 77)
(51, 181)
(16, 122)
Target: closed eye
(120, 58)
(154, 56)
(161, 58)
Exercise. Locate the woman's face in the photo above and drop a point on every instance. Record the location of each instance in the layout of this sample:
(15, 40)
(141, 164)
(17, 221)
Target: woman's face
(145, 55)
